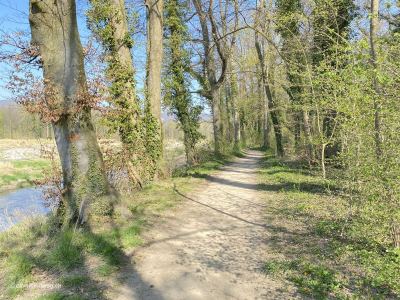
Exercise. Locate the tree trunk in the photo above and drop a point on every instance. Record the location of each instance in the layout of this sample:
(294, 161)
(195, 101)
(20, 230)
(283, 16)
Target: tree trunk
(216, 116)
(266, 143)
(265, 113)
(223, 110)
(242, 130)
(307, 133)
(323, 147)
(374, 22)
(127, 100)
(154, 55)
(229, 111)
(237, 135)
(54, 30)
(207, 20)
(120, 24)
(270, 101)
(297, 130)
(235, 112)
(189, 148)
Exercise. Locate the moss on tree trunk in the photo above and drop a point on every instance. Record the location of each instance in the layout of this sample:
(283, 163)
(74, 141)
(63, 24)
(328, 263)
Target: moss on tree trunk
(54, 31)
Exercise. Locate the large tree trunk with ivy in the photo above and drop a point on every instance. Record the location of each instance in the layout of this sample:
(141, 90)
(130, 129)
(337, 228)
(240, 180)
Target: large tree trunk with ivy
(177, 95)
(153, 75)
(54, 30)
(108, 20)
(154, 55)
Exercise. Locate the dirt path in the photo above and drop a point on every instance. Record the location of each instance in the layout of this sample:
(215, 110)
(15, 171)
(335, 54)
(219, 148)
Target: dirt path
(212, 247)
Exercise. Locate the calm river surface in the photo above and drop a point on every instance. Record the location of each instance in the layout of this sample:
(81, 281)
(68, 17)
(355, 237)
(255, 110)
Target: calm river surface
(18, 205)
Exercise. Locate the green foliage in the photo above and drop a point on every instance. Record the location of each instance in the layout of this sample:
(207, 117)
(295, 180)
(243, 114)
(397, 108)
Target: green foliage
(346, 98)
(102, 207)
(74, 280)
(208, 163)
(274, 267)
(66, 252)
(19, 267)
(331, 22)
(105, 270)
(60, 296)
(315, 280)
(289, 13)
(177, 95)
(20, 173)
(335, 256)
(139, 132)
(153, 140)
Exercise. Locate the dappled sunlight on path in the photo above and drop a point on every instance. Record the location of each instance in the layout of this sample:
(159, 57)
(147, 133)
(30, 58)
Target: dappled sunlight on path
(212, 246)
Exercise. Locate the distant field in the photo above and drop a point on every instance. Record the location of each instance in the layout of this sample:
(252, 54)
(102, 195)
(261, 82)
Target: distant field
(21, 162)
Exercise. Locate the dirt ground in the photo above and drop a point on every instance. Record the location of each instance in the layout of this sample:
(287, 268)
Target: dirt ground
(213, 246)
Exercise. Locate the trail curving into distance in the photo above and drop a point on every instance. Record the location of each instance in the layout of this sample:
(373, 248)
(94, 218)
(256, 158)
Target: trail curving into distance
(212, 246)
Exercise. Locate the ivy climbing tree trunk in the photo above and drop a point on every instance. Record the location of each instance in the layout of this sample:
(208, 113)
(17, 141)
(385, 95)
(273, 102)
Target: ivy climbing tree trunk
(177, 95)
(295, 57)
(154, 55)
(108, 21)
(115, 38)
(141, 140)
(265, 101)
(54, 30)
(264, 98)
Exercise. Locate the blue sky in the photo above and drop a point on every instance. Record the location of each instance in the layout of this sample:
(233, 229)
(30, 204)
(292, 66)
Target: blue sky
(14, 16)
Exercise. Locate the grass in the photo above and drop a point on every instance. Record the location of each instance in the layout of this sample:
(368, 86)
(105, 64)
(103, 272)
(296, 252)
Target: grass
(209, 164)
(60, 296)
(19, 268)
(315, 280)
(74, 280)
(315, 246)
(20, 162)
(21, 173)
(84, 259)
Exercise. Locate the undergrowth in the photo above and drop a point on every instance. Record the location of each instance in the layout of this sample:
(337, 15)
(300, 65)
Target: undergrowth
(323, 252)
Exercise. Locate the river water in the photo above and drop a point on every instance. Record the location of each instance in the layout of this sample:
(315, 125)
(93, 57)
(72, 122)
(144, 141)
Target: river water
(16, 206)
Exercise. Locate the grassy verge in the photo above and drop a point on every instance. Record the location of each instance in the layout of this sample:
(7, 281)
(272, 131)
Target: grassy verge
(21, 173)
(313, 245)
(39, 262)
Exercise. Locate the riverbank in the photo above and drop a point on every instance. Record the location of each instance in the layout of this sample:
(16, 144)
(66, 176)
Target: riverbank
(20, 205)
(36, 259)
